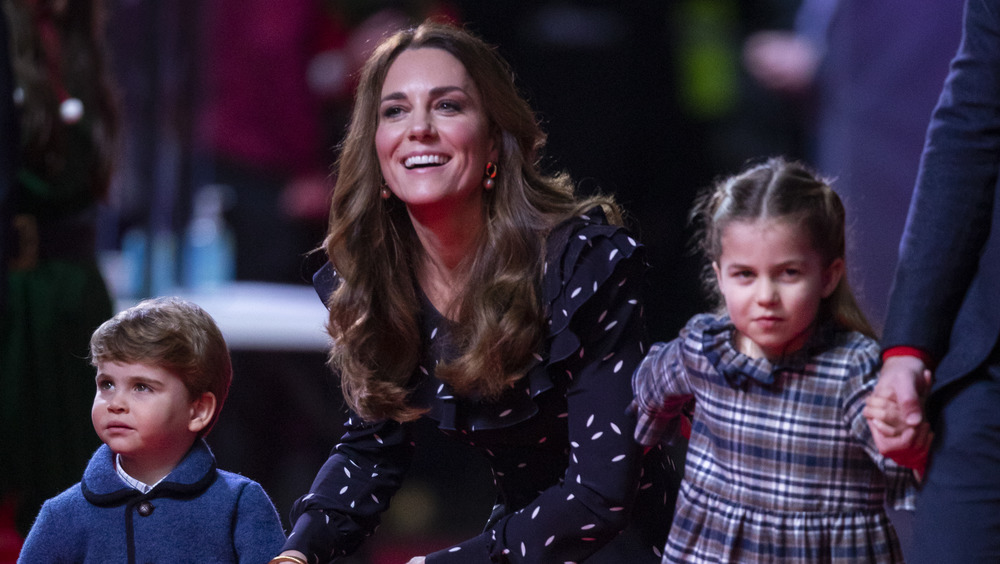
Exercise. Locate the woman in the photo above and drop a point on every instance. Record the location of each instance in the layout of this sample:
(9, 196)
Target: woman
(472, 289)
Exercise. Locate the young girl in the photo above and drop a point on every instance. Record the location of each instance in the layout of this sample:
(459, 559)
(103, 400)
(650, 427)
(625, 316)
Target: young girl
(781, 466)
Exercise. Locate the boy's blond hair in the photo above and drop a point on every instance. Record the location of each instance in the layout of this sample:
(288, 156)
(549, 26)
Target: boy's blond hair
(175, 335)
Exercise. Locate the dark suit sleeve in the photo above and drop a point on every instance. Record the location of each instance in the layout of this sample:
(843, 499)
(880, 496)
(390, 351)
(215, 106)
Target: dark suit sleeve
(950, 214)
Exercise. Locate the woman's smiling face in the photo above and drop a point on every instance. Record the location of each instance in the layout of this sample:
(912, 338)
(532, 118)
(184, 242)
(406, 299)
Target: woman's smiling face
(433, 138)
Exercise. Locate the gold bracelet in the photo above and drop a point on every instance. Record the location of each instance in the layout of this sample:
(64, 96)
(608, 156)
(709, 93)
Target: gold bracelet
(286, 558)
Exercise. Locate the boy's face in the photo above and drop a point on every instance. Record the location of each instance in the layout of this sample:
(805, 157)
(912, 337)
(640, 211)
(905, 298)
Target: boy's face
(144, 413)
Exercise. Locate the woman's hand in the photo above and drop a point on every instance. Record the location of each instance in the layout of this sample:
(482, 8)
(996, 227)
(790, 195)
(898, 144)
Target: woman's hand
(293, 556)
(416, 560)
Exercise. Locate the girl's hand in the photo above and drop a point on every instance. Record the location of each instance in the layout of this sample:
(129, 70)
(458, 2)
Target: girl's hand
(895, 415)
(884, 415)
(894, 411)
(906, 444)
(916, 441)
(416, 560)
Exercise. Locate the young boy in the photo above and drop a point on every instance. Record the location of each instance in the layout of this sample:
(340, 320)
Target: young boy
(151, 492)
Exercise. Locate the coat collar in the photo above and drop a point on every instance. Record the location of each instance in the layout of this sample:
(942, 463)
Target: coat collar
(102, 486)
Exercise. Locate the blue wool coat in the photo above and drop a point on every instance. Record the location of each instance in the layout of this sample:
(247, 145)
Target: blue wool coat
(196, 514)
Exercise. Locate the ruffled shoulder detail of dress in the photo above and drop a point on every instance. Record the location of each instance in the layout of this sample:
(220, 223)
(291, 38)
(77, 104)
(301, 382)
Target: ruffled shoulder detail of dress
(582, 254)
(715, 335)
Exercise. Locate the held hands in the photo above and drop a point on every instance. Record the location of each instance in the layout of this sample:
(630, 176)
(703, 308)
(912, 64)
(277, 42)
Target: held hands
(907, 445)
(895, 414)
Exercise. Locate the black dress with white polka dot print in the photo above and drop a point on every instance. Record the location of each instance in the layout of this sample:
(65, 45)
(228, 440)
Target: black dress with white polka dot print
(571, 483)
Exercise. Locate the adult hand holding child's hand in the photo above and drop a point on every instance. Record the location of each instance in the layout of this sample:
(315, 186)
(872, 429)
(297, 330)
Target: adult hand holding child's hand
(894, 411)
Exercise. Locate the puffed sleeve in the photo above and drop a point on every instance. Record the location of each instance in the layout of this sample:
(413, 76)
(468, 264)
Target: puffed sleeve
(258, 535)
(351, 490)
(662, 389)
(901, 484)
(596, 342)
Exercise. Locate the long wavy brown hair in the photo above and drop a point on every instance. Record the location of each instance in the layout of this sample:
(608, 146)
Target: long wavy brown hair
(789, 191)
(74, 64)
(371, 242)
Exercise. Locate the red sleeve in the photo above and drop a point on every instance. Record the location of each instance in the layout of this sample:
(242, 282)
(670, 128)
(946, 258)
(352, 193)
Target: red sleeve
(903, 350)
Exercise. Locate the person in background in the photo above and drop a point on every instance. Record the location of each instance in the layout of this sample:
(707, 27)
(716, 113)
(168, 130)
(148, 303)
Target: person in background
(941, 360)
(468, 288)
(781, 466)
(54, 294)
(152, 491)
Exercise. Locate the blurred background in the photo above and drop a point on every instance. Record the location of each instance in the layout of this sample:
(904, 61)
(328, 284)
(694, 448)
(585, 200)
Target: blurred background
(230, 115)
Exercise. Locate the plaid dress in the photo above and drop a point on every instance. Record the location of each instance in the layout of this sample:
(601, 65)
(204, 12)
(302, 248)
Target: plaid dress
(781, 466)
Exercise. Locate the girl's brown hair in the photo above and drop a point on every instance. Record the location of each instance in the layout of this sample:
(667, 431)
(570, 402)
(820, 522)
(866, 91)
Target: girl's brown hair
(372, 244)
(787, 191)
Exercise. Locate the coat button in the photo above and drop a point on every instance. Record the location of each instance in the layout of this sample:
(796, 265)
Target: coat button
(146, 509)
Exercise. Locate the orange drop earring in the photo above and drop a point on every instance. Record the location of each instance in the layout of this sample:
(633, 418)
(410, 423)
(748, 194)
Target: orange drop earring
(491, 173)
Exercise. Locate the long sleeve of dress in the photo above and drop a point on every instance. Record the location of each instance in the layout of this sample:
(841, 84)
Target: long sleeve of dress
(662, 390)
(351, 490)
(901, 484)
(591, 504)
